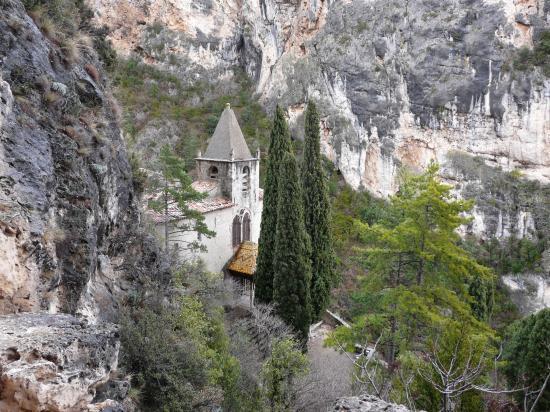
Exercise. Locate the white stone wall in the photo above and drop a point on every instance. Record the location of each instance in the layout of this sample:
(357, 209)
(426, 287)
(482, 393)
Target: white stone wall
(219, 248)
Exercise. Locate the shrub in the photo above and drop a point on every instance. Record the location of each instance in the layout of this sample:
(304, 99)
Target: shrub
(164, 362)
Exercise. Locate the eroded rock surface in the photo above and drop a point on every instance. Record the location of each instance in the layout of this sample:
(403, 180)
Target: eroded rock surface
(367, 403)
(53, 362)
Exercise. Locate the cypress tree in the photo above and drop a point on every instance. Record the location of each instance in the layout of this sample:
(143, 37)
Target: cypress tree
(279, 144)
(292, 250)
(317, 215)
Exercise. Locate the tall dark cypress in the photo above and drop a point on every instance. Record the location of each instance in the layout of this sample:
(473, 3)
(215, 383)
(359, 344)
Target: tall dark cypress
(279, 145)
(317, 215)
(292, 250)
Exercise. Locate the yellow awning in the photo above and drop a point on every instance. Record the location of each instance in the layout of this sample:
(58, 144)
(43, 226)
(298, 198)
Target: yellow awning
(244, 261)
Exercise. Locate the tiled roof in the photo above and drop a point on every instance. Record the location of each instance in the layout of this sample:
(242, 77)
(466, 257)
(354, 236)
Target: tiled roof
(204, 206)
(227, 139)
(244, 261)
(210, 204)
(204, 186)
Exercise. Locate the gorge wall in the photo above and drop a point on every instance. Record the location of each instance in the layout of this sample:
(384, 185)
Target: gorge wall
(71, 249)
(68, 217)
(399, 83)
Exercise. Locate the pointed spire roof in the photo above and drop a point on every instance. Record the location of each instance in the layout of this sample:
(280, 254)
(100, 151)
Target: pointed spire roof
(227, 142)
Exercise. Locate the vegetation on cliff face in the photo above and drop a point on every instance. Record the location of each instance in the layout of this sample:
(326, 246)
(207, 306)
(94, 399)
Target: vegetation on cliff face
(539, 56)
(157, 102)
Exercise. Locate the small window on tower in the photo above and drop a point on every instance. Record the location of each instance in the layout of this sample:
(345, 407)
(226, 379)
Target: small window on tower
(213, 172)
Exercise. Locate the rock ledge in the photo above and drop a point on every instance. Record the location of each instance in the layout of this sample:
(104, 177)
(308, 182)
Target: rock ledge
(367, 403)
(53, 362)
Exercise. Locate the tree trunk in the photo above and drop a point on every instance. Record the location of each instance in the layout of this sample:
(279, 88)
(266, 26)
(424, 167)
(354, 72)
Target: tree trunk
(166, 217)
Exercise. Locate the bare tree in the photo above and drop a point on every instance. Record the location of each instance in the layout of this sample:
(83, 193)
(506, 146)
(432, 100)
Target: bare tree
(452, 378)
(370, 370)
(537, 392)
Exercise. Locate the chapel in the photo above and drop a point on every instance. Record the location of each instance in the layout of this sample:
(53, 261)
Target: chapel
(229, 175)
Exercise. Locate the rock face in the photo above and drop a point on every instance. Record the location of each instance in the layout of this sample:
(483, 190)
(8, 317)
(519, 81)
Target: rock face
(69, 235)
(367, 403)
(53, 362)
(398, 83)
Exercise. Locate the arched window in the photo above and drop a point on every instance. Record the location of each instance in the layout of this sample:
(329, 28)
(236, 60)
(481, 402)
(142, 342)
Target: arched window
(246, 227)
(213, 172)
(246, 179)
(236, 231)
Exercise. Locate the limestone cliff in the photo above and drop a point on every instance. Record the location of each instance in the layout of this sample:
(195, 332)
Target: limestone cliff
(398, 82)
(70, 242)
(68, 217)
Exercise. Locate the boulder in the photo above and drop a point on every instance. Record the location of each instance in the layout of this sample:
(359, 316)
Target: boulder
(367, 403)
(53, 362)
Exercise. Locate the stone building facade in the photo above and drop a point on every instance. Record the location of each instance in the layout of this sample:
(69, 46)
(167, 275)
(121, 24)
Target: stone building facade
(229, 175)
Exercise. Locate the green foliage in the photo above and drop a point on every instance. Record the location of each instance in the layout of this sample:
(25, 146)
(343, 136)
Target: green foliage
(510, 255)
(285, 364)
(151, 96)
(482, 292)
(349, 206)
(174, 189)
(526, 59)
(317, 215)
(265, 270)
(163, 360)
(291, 258)
(527, 352)
(423, 292)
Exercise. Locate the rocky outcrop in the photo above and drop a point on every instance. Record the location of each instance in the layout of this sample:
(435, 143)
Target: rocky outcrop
(53, 362)
(69, 225)
(367, 403)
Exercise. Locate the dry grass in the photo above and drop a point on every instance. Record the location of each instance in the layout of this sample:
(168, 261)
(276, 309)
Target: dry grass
(115, 108)
(51, 98)
(93, 72)
(85, 43)
(15, 25)
(72, 133)
(71, 51)
(44, 23)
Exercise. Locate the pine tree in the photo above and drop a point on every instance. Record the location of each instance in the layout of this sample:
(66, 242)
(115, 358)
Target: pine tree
(174, 190)
(279, 145)
(317, 215)
(291, 261)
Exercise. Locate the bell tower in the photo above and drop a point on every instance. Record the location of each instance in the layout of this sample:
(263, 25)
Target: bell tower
(228, 161)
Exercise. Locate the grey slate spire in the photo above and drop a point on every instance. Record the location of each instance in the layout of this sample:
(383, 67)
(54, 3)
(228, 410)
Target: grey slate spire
(227, 142)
